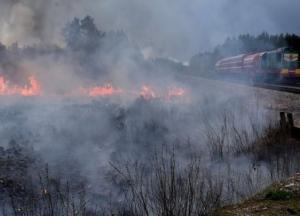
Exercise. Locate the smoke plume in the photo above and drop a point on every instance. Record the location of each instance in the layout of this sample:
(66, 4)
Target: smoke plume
(177, 28)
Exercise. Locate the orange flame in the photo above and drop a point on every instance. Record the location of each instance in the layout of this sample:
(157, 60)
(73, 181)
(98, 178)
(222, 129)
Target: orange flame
(176, 92)
(106, 90)
(32, 89)
(147, 92)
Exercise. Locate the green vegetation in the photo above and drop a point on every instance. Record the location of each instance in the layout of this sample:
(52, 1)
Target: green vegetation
(278, 195)
(281, 198)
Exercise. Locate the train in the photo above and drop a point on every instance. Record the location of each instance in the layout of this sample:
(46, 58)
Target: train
(275, 65)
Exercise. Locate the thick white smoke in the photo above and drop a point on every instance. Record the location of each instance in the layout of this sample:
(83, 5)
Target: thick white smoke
(170, 28)
(89, 133)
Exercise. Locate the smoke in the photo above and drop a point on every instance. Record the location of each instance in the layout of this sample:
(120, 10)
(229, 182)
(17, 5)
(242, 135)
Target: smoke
(19, 23)
(170, 28)
(83, 134)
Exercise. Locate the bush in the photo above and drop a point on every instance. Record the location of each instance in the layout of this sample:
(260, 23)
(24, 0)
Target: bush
(169, 189)
(278, 195)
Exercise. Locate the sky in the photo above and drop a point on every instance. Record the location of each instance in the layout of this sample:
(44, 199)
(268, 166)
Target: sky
(169, 28)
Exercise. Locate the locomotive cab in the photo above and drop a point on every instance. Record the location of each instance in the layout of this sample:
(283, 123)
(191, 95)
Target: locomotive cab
(291, 63)
(283, 62)
(279, 65)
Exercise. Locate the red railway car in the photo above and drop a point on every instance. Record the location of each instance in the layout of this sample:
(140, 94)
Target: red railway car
(280, 63)
(232, 64)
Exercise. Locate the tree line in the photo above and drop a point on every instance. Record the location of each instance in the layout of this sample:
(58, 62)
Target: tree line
(245, 43)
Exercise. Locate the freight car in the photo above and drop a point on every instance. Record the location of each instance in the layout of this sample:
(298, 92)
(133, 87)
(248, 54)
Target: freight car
(279, 64)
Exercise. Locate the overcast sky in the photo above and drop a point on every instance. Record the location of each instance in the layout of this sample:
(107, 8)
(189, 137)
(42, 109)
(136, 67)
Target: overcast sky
(177, 28)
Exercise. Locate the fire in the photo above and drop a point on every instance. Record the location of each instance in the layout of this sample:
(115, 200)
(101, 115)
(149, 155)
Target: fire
(147, 92)
(32, 89)
(105, 90)
(176, 92)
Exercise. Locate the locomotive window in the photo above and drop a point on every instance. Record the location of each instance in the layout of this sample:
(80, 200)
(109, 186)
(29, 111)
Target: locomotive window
(264, 61)
(291, 60)
(278, 60)
(278, 56)
(274, 60)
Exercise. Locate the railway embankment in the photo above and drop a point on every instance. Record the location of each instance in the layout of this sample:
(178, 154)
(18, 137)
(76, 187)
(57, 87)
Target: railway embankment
(267, 96)
(281, 198)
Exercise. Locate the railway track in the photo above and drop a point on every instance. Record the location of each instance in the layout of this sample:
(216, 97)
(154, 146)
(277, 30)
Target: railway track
(276, 86)
(279, 87)
(290, 88)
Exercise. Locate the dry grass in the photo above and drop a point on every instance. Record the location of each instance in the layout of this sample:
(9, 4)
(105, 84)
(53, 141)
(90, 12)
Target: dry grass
(167, 184)
(164, 187)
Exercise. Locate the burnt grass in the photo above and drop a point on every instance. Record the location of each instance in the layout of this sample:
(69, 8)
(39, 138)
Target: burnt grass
(163, 184)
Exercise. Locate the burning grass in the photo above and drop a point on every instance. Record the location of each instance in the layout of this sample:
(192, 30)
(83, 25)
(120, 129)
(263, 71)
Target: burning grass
(152, 155)
(167, 150)
(35, 88)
